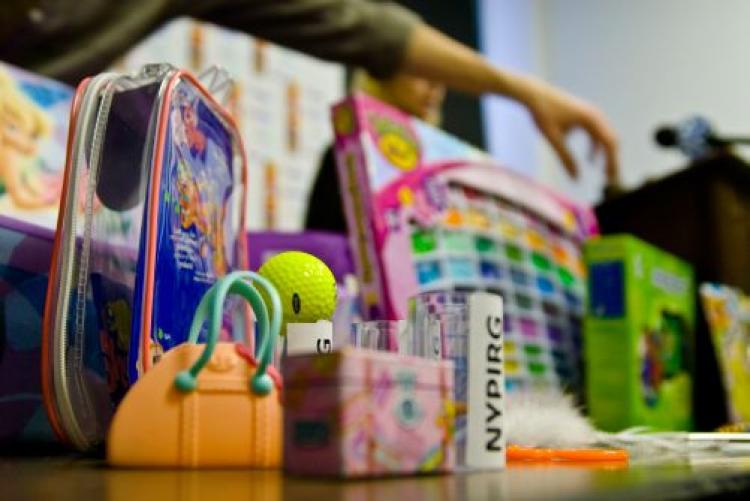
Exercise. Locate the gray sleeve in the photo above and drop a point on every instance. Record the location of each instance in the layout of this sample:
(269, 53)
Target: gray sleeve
(373, 35)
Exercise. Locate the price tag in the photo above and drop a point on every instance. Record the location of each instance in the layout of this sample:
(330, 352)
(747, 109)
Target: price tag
(309, 338)
(434, 339)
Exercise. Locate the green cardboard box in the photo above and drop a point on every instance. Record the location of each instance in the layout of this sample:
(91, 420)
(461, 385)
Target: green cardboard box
(638, 326)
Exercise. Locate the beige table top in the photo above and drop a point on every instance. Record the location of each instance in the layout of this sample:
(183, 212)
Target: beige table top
(85, 479)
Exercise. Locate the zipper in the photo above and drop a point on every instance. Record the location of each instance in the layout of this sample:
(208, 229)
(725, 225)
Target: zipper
(75, 371)
(61, 377)
(149, 157)
(72, 400)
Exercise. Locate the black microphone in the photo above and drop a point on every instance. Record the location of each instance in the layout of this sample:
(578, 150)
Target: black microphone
(695, 138)
(666, 137)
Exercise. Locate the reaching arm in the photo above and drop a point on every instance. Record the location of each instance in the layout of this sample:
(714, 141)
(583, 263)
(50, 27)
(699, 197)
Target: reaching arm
(430, 54)
(385, 38)
(382, 37)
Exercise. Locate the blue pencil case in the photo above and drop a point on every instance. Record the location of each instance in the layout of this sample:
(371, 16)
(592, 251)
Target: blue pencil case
(152, 213)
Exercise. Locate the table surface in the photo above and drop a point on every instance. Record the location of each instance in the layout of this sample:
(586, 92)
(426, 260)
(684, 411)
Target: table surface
(64, 477)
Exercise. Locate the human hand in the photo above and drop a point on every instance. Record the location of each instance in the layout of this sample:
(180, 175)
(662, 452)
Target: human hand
(556, 113)
(432, 55)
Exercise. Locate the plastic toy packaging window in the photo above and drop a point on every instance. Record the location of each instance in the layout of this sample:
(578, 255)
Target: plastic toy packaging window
(154, 180)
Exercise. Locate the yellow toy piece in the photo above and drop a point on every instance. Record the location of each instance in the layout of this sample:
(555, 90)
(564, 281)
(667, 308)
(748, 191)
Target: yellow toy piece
(306, 286)
(728, 313)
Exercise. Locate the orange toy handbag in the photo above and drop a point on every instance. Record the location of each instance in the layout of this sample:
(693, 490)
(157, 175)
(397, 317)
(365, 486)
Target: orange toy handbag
(212, 404)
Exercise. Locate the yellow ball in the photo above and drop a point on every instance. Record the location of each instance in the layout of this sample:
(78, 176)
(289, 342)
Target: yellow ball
(306, 286)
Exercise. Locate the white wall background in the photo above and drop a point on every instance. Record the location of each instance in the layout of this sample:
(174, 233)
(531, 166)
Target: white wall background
(644, 62)
(509, 35)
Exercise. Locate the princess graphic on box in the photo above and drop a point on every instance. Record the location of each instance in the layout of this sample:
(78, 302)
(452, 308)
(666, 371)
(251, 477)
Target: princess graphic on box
(195, 139)
(197, 206)
(191, 206)
(24, 126)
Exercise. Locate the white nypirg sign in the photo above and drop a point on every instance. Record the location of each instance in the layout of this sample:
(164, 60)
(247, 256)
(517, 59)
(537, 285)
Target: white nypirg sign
(485, 443)
(309, 338)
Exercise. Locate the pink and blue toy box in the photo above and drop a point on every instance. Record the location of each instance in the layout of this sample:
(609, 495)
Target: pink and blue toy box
(25, 252)
(33, 130)
(356, 412)
(427, 212)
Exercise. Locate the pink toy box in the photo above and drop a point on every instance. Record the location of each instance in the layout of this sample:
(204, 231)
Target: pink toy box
(427, 212)
(355, 413)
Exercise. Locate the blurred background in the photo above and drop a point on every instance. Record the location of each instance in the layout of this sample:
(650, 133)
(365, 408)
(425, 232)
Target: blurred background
(643, 63)
(677, 67)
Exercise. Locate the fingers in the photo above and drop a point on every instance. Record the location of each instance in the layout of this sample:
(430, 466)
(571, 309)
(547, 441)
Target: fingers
(603, 137)
(594, 149)
(556, 139)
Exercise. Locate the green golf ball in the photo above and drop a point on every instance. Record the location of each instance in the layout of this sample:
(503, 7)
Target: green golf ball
(305, 284)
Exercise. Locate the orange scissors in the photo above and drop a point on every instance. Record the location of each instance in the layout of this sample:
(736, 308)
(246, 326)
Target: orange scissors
(517, 453)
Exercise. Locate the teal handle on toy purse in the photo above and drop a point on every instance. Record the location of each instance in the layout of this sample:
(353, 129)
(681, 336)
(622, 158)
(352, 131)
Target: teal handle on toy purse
(211, 308)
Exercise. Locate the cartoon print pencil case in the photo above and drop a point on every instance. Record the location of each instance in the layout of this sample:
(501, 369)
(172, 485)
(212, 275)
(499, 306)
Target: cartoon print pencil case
(152, 213)
(209, 404)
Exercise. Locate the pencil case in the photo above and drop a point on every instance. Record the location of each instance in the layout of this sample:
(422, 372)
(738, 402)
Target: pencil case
(358, 412)
(152, 213)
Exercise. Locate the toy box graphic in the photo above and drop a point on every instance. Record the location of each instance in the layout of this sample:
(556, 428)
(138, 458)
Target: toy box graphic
(359, 412)
(428, 212)
(197, 224)
(26, 252)
(33, 131)
(728, 313)
(639, 324)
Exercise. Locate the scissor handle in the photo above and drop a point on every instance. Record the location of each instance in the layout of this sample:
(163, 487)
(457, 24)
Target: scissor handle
(211, 309)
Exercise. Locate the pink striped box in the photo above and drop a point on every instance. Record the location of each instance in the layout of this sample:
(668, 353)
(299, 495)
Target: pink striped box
(357, 412)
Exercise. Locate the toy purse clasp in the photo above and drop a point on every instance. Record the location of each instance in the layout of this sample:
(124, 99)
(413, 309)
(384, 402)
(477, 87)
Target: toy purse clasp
(212, 404)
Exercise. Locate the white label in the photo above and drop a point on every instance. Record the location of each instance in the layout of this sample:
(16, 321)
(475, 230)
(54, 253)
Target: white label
(405, 343)
(485, 433)
(434, 339)
(309, 338)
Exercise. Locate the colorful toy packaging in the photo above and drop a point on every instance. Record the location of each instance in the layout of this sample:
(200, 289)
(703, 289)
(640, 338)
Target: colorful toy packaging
(728, 313)
(151, 215)
(637, 331)
(26, 251)
(427, 212)
(33, 127)
(358, 412)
